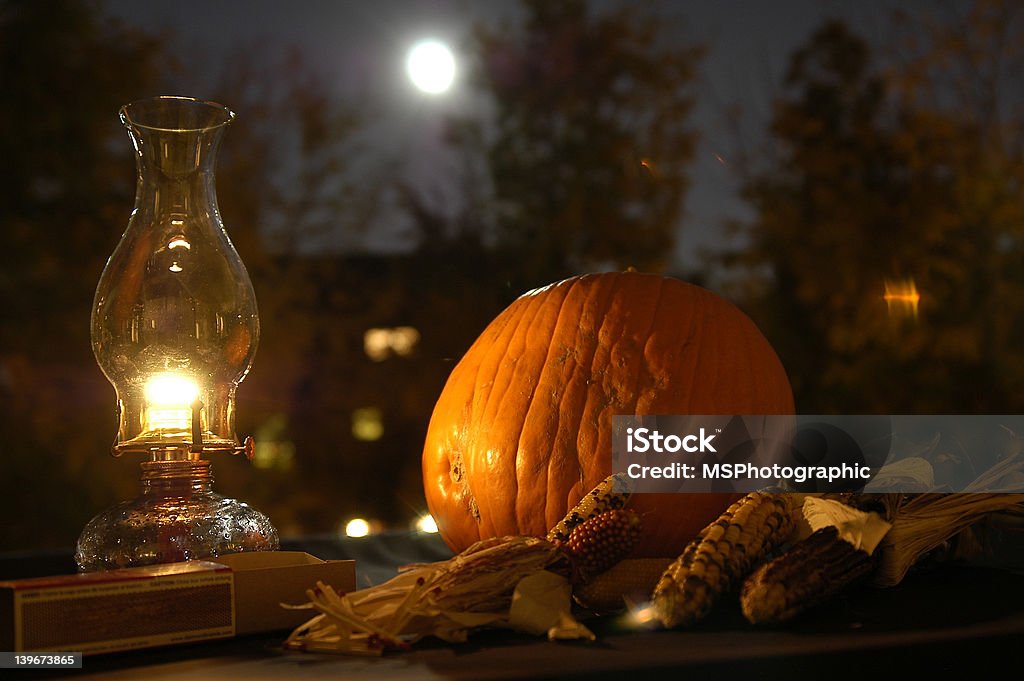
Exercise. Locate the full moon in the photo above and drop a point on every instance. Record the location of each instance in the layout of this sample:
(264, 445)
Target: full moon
(431, 66)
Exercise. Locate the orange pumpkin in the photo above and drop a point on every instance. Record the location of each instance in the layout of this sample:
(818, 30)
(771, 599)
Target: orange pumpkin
(522, 429)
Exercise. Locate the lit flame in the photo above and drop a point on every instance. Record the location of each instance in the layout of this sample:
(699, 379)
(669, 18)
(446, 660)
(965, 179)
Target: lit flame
(169, 400)
(902, 298)
(357, 527)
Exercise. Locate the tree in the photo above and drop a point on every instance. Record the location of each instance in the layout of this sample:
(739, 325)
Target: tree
(63, 180)
(586, 157)
(67, 192)
(958, 75)
(872, 187)
(66, 188)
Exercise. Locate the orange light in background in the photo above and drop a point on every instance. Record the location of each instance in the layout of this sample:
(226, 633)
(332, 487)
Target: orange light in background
(902, 298)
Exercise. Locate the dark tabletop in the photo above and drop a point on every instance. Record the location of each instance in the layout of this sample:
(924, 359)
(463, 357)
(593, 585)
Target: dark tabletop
(946, 619)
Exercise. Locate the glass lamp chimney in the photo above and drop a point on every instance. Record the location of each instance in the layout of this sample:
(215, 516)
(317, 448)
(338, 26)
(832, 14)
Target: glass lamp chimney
(174, 321)
(174, 329)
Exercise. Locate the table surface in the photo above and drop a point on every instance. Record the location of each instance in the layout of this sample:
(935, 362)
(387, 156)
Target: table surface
(949, 618)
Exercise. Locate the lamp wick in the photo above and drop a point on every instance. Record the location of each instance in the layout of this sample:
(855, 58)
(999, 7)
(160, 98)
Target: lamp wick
(197, 427)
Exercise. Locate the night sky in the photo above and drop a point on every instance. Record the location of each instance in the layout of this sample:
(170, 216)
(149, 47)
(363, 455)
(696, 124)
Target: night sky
(359, 48)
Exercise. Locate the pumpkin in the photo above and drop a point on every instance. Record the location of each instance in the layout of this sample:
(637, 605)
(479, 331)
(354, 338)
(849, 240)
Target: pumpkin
(522, 429)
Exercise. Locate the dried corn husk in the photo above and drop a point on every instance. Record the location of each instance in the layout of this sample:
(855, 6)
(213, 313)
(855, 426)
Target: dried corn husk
(922, 522)
(861, 529)
(630, 581)
(446, 599)
(912, 474)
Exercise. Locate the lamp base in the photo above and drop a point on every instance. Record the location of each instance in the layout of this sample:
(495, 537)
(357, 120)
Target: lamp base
(177, 517)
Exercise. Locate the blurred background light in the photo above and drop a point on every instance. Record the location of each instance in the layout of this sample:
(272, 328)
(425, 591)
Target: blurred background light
(357, 527)
(367, 424)
(426, 524)
(381, 343)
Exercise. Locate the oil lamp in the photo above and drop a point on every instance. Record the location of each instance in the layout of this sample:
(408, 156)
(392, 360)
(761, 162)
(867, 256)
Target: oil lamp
(174, 329)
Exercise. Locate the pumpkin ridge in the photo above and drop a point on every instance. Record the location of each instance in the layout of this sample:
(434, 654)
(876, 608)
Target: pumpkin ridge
(603, 390)
(647, 369)
(490, 357)
(639, 368)
(652, 392)
(592, 387)
(459, 452)
(610, 388)
(517, 348)
(476, 483)
(499, 350)
(520, 466)
(555, 505)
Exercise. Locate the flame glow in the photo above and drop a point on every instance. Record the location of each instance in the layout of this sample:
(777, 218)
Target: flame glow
(169, 399)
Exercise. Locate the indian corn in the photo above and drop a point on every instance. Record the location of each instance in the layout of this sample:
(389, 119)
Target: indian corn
(611, 493)
(721, 555)
(602, 541)
(809, 573)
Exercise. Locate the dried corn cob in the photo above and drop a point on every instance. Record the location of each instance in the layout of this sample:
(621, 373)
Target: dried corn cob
(610, 494)
(809, 573)
(721, 555)
(628, 580)
(602, 541)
